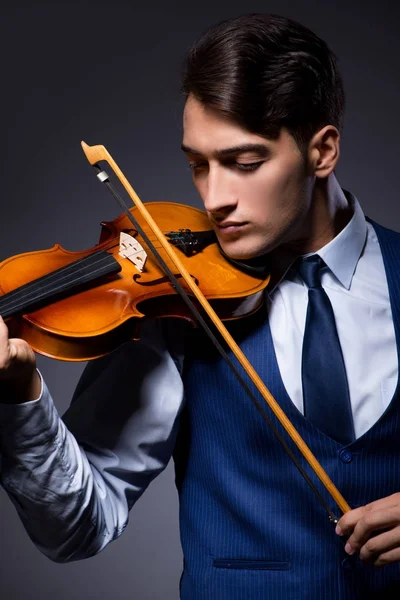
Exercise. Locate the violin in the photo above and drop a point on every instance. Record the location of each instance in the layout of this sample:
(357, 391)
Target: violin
(98, 296)
(77, 306)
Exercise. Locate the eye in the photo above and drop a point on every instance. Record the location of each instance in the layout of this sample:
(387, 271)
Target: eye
(196, 166)
(249, 166)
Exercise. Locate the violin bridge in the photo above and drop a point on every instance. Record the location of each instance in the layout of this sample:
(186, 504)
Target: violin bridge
(131, 249)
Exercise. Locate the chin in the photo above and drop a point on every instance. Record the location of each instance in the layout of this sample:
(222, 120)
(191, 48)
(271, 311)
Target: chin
(240, 251)
(243, 253)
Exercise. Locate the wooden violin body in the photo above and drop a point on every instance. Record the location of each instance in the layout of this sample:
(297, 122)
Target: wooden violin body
(90, 318)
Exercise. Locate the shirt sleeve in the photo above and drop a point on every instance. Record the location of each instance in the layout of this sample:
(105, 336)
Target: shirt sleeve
(74, 480)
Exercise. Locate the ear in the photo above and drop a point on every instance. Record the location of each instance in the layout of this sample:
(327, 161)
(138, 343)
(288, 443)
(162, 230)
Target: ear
(324, 151)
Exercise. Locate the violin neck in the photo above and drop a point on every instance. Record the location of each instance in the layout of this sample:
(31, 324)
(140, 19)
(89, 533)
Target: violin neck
(57, 284)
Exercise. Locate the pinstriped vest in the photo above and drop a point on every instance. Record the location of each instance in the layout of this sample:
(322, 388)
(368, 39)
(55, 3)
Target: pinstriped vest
(251, 528)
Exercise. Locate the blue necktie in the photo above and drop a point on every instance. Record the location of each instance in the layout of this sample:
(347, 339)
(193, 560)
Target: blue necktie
(325, 388)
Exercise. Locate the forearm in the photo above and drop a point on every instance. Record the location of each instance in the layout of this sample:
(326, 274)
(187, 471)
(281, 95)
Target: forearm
(52, 484)
(74, 480)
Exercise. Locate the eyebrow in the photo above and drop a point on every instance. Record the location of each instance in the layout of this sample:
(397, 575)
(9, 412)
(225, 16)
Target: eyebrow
(258, 148)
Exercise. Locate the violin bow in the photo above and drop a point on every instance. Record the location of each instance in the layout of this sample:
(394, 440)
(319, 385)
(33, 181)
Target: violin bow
(94, 155)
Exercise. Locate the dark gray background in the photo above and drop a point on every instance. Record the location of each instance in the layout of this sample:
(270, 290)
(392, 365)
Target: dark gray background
(109, 74)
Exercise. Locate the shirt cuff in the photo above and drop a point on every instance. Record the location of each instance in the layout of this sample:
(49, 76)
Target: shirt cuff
(28, 424)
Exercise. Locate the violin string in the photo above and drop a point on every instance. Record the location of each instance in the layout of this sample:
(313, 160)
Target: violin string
(52, 280)
(185, 297)
(29, 291)
(48, 277)
(20, 298)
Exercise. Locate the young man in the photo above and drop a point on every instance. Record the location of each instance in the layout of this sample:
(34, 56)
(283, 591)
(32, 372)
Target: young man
(262, 120)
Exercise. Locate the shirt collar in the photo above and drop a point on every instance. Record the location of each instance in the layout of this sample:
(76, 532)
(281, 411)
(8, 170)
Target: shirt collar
(342, 253)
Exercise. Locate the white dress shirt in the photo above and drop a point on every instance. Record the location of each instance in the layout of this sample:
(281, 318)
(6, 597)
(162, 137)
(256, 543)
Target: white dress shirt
(357, 288)
(74, 482)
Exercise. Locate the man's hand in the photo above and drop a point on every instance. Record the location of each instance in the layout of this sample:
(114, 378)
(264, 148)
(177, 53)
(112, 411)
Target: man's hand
(374, 531)
(19, 380)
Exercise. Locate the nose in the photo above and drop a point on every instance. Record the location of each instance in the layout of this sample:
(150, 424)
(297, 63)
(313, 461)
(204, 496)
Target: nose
(216, 191)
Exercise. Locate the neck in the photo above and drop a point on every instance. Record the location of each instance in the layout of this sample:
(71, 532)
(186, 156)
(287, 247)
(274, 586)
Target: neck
(329, 213)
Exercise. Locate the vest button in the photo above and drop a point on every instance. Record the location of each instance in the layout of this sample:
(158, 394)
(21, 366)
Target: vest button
(345, 456)
(347, 564)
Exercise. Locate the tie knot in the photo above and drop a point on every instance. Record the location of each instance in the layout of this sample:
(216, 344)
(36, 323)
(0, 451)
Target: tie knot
(310, 270)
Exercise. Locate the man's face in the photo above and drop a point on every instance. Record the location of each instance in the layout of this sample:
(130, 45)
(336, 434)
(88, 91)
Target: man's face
(256, 191)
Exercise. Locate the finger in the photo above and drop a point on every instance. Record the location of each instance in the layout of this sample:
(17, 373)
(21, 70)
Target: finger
(4, 343)
(19, 348)
(383, 503)
(350, 519)
(3, 329)
(371, 522)
(380, 544)
(387, 558)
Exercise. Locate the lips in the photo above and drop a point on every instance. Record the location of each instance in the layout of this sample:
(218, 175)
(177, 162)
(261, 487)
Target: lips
(225, 224)
(230, 227)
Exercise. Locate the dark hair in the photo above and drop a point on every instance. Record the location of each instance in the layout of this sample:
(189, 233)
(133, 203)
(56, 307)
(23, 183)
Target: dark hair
(265, 72)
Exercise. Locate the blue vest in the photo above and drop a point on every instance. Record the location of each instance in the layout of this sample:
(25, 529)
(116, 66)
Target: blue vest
(251, 528)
